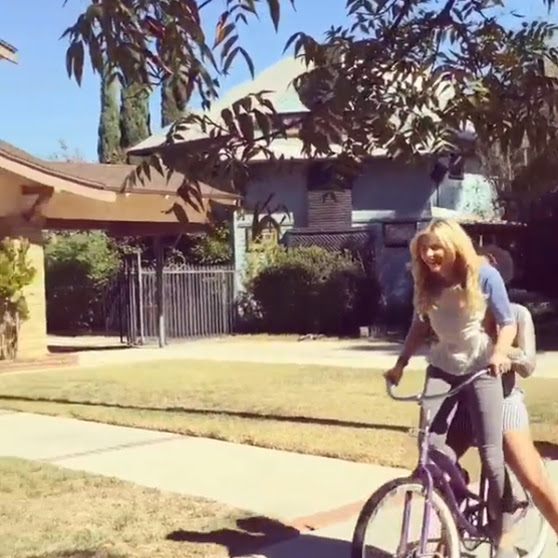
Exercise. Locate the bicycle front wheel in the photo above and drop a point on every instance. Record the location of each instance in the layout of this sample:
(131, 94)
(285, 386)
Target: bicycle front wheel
(392, 521)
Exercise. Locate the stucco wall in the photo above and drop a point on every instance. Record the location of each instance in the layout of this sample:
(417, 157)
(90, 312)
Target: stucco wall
(10, 194)
(386, 191)
(384, 185)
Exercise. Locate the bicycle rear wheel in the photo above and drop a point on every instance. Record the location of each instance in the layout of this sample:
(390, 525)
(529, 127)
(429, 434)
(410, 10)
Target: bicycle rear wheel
(531, 530)
(398, 533)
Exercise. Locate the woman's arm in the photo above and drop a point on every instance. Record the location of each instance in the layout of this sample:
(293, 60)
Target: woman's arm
(524, 356)
(499, 305)
(416, 337)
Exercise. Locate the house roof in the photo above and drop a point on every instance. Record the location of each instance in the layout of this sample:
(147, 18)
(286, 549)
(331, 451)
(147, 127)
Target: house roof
(277, 80)
(114, 177)
(7, 51)
(23, 164)
(102, 177)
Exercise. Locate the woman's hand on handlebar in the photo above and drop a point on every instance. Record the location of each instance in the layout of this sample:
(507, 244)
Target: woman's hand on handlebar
(499, 364)
(394, 375)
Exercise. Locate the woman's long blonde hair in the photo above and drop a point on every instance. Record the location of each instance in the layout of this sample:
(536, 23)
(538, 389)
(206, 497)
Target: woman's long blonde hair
(457, 243)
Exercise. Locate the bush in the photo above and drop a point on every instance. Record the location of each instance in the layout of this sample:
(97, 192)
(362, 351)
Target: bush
(78, 270)
(16, 273)
(312, 290)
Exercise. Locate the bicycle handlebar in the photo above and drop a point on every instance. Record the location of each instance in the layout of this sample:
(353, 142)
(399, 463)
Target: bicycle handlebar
(423, 397)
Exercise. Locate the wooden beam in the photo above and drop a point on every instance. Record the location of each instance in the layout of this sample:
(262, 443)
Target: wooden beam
(41, 195)
(126, 228)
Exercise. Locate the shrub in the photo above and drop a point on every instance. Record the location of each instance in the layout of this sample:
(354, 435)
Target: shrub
(79, 268)
(312, 290)
(16, 273)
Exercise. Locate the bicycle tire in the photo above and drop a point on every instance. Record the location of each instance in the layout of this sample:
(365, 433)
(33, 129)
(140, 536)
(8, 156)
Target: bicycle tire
(374, 503)
(544, 528)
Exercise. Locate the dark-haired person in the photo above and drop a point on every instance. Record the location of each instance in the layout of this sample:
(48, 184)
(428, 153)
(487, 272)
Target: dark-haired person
(519, 449)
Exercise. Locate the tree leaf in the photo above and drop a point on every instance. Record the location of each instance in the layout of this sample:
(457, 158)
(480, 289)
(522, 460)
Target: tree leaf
(264, 123)
(248, 60)
(246, 126)
(274, 12)
(74, 60)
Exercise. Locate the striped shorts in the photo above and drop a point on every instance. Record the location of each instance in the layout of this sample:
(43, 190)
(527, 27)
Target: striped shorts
(515, 415)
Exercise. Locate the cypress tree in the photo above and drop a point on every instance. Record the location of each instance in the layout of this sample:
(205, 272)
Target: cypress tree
(173, 101)
(134, 115)
(108, 144)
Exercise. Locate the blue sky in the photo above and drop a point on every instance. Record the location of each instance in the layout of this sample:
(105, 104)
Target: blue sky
(39, 105)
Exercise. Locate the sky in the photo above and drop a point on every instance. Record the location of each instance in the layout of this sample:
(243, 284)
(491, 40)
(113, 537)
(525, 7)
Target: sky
(40, 106)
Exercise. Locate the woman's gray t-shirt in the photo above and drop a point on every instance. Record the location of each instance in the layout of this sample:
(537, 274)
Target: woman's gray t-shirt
(463, 345)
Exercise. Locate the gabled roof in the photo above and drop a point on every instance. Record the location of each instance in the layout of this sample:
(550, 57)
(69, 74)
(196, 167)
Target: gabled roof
(277, 80)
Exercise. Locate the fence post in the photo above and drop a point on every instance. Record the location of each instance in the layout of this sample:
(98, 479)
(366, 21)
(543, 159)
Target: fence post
(131, 301)
(140, 300)
(160, 291)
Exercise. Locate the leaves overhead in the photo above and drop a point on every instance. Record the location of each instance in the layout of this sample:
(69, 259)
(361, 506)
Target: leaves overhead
(400, 77)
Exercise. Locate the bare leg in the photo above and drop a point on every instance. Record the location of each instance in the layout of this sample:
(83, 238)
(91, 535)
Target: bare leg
(525, 461)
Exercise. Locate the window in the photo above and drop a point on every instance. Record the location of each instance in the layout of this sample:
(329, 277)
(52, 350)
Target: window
(456, 168)
(399, 235)
(319, 177)
(269, 235)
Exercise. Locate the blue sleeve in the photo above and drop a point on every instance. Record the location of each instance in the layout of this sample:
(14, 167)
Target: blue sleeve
(494, 290)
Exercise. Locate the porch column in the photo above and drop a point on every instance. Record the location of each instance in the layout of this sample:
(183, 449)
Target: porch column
(32, 343)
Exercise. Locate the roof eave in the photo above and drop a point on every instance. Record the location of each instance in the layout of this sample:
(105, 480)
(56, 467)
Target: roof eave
(57, 183)
(8, 52)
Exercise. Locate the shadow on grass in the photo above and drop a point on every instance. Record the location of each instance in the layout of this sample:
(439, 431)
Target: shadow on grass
(98, 553)
(63, 349)
(390, 348)
(251, 535)
(271, 539)
(216, 412)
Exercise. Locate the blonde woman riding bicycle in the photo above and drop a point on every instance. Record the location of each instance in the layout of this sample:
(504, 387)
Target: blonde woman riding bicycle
(455, 292)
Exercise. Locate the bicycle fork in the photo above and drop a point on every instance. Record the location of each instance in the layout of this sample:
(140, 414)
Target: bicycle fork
(425, 477)
(421, 551)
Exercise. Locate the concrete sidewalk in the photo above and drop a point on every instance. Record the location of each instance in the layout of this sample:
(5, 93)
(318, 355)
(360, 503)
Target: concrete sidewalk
(355, 353)
(320, 497)
(282, 485)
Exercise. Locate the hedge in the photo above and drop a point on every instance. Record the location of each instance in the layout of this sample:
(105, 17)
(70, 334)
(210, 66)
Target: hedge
(312, 290)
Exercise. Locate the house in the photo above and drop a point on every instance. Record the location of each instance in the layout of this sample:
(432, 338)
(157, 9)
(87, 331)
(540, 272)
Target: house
(388, 200)
(39, 195)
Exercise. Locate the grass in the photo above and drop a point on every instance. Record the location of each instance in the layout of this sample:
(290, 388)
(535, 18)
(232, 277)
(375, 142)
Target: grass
(319, 410)
(47, 512)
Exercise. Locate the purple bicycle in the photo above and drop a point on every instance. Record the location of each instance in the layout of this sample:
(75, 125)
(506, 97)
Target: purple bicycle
(450, 520)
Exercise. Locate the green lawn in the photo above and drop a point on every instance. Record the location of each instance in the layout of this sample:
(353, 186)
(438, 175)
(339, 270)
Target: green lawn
(47, 512)
(313, 409)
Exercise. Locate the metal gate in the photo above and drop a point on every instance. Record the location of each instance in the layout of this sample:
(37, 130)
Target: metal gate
(196, 301)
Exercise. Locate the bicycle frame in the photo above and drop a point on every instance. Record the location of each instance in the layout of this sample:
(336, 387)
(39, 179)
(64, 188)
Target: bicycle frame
(432, 474)
(431, 471)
